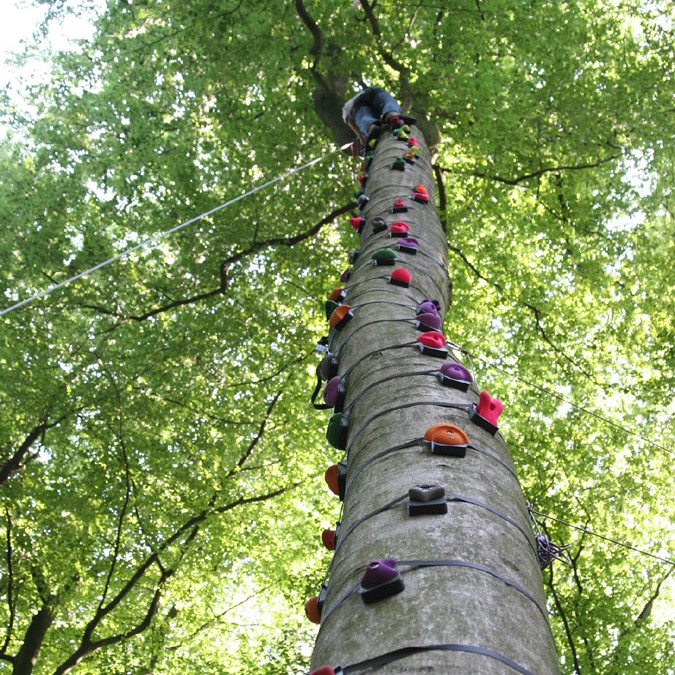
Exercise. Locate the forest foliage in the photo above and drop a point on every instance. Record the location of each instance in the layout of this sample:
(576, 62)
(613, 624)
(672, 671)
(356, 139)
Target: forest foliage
(161, 467)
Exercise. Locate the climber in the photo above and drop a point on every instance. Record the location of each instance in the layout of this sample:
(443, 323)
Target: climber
(366, 112)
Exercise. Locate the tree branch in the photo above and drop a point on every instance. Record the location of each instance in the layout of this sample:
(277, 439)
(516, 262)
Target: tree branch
(563, 616)
(189, 529)
(544, 335)
(127, 492)
(10, 586)
(387, 56)
(255, 247)
(20, 456)
(537, 174)
(252, 445)
(32, 640)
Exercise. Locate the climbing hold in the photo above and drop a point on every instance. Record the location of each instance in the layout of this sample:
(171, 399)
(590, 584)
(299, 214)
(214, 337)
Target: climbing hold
(315, 604)
(379, 224)
(340, 317)
(331, 478)
(428, 321)
(420, 194)
(353, 256)
(455, 375)
(409, 156)
(413, 142)
(327, 670)
(447, 439)
(330, 391)
(398, 229)
(395, 121)
(398, 164)
(357, 222)
(328, 539)
(334, 393)
(380, 580)
(487, 412)
(362, 200)
(426, 500)
(327, 368)
(401, 135)
(384, 256)
(432, 343)
(432, 306)
(312, 609)
(337, 295)
(336, 479)
(336, 434)
(346, 276)
(408, 245)
(399, 206)
(400, 277)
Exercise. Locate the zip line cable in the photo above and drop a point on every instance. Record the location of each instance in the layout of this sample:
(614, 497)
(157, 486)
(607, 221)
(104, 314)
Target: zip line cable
(602, 536)
(155, 238)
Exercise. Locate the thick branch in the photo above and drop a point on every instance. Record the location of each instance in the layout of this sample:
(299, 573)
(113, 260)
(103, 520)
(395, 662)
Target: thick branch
(11, 608)
(21, 456)
(255, 247)
(643, 616)
(32, 641)
(313, 27)
(387, 56)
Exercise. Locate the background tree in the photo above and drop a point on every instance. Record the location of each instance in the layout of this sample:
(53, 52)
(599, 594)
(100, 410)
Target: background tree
(161, 466)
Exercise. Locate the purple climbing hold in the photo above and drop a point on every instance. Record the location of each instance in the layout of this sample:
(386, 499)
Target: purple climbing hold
(455, 375)
(428, 306)
(428, 321)
(330, 391)
(408, 245)
(380, 580)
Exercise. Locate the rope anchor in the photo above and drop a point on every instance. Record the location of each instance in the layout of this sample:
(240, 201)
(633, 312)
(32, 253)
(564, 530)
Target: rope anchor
(547, 551)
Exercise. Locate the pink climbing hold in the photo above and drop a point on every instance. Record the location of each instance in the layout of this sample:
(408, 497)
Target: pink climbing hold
(357, 222)
(489, 408)
(432, 339)
(398, 229)
(400, 277)
(399, 206)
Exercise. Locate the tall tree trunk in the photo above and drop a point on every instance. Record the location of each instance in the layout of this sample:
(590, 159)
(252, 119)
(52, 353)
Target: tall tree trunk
(473, 600)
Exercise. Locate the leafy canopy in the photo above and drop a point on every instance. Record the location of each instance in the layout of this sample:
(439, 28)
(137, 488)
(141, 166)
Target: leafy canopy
(162, 493)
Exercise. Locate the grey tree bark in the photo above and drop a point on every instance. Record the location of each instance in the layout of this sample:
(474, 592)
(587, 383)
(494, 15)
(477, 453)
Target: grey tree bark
(473, 600)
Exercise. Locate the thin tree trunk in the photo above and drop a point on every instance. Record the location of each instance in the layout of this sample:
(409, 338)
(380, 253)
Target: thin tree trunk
(473, 600)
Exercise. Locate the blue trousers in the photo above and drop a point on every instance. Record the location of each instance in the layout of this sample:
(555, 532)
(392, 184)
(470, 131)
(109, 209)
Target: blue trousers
(370, 105)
